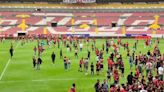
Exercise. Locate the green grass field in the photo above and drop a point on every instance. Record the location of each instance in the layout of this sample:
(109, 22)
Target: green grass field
(20, 76)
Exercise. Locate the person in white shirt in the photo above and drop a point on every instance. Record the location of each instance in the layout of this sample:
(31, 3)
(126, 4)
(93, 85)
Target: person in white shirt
(143, 90)
(148, 68)
(160, 72)
(81, 46)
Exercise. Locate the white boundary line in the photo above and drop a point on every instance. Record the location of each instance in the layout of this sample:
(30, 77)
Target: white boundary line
(5, 69)
(7, 64)
(57, 79)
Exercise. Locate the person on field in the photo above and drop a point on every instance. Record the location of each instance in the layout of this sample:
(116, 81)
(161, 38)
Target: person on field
(116, 76)
(65, 63)
(39, 62)
(61, 54)
(89, 54)
(130, 78)
(109, 73)
(76, 53)
(92, 69)
(130, 61)
(97, 67)
(35, 49)
(11, 51)
(80, 64)
(73, 88)
(81, 46)
(53, 56)
(86, 65)
(122, 68)
(97, 86)
(104, 86)
(34, 61)
(161, 72)
(69, 63)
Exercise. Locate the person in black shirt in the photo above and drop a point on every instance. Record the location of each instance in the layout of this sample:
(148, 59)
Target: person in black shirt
(11, 51)
(34, 61)
(130, 78)
(92, 69)
(107, 50)
(61, 53)
(136, 60)
(158, 64)
(89, 54)
(112, 56)
(39, 62)
(135, 45)
(97, 86)
(53, 57)
(148, 53)
(65, 63)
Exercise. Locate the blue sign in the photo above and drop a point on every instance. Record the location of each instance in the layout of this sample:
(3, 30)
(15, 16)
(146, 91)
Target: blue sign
(78, 35)
(129, 35)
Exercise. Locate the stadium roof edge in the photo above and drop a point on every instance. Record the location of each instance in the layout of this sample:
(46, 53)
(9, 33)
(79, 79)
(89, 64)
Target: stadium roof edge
(106, 6)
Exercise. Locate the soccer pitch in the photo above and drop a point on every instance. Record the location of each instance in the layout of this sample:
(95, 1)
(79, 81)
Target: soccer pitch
(18, 74)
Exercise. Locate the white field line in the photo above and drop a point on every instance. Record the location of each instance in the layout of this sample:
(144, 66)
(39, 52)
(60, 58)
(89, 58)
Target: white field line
(7, 64)
(45, 80)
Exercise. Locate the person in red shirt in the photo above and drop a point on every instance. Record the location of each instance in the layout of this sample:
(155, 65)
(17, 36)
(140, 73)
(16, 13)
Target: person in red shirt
(40, 50)
(97, 67)
(112, 88)
(122, 89)
(114, 45)
(110, 64)
(35, 49)
(116, 76)
(137, 73)
(72, 89)
(97, 52)
(80, 64)
(146, 42)
(127, 45)
(118, 41)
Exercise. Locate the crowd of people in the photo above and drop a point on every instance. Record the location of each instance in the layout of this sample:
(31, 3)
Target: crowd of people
(152, 62)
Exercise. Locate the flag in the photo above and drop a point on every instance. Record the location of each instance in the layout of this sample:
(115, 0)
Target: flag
(44, 30)
(73, 23)
(123, 30)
